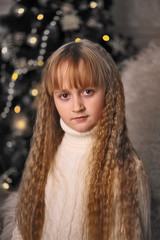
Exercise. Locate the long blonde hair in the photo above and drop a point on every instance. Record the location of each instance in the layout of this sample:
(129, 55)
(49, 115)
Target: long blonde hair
(112, 150)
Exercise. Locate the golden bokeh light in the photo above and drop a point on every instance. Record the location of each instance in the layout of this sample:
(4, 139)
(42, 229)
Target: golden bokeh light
(21, 124)
(33, 40)
(20, 10)
(6, 186)
(40, 63)
(17, 109)
(93, 4)
(14, 76)
(34, 92)
(106, 38)
(40, 16)
(77, 39)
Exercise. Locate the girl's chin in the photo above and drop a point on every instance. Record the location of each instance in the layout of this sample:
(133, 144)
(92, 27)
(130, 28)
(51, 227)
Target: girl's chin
(82, 128)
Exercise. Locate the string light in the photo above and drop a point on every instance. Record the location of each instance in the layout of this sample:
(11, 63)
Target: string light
(93, 4)
(58, 12)
(8, 104)
(11, 91)
(34, 92)
(42, 52)
(14, 76)
(11, 85)
(53, 23)
(3, 115)
(44, 38)
(17, 109)
(21, 11)
(10, 97)
(40, 16)
(40, 63)
(46, 32)
(56, 18)
(77, 39)
(43, 45)
(6, 110)
(32, 40)
(106, 38)
(5, 180)
(9, 144)
(20, 124)
(9, 180)
(4, 50)
(6, 186)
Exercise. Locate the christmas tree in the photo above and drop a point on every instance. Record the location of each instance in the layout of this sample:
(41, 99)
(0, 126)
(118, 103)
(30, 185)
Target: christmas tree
(34, 29)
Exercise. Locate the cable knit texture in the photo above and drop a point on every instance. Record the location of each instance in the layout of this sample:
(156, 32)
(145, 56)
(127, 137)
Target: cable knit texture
(65, 194)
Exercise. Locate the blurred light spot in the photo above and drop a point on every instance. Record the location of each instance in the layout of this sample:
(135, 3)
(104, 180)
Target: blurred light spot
(46, 32)
(44, 45)
(4, 50)
(9, 180)
(17, 109)
(14, 76)
(45, 38)
(8, 104)
(53, 23)
(40, 16)
(40, 63)
(34, 92)
(10, 91)
(9, 144)
(6, 109)
(93, 4)
(33, 40)
(21, 124)
(106, 38)
(3, 115)
(6, 186)
(10, 98)
(77, 39)
(56, 18)
(20, 11)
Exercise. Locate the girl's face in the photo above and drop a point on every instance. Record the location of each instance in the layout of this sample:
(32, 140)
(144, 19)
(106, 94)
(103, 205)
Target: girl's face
(80, 108)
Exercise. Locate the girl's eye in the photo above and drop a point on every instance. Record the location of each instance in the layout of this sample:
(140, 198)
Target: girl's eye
(64, 96)
(88, 92)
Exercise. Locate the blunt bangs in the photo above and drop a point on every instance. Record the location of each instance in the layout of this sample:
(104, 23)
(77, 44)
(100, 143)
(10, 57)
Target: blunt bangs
(79, 74)
(78, 65)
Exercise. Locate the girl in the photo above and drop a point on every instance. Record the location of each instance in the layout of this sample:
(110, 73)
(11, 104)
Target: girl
(83, 179)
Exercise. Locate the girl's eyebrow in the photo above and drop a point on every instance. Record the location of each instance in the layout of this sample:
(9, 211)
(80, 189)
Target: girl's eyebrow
(67, 90)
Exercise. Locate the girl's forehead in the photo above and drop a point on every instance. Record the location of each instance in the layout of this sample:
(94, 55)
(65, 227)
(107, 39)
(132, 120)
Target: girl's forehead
(66, 67)
(71, 75)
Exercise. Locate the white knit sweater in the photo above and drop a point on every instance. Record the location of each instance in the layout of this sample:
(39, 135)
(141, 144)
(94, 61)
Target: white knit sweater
(65, 196)
(66, 192)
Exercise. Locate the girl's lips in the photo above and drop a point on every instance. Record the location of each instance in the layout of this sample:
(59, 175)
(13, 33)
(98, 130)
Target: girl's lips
(79, 119)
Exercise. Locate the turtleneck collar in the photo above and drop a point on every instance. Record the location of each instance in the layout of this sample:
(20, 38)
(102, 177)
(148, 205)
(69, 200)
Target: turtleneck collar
(73, 137)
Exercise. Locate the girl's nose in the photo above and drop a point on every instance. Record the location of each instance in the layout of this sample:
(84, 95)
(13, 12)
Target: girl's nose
(78, 105)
